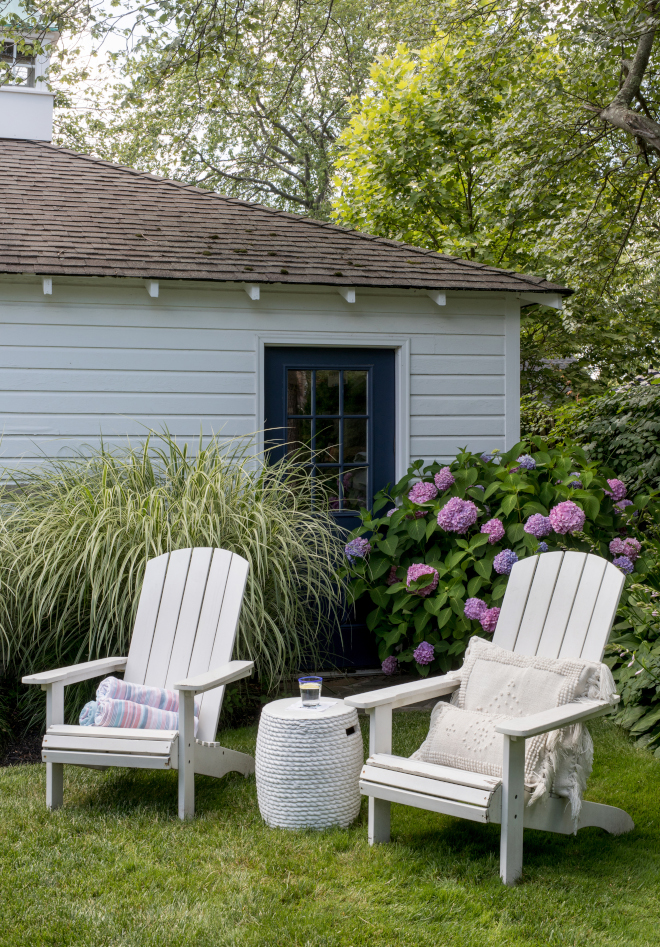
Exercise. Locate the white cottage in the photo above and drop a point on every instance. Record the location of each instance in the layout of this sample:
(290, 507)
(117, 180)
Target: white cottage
(129, 302)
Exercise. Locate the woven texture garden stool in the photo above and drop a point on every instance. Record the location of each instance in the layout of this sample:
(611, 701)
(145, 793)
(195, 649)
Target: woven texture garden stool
(308, 765)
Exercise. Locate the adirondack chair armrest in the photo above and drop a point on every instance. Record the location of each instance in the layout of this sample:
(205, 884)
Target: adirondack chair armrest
(400, 695)
(76, 672)
(233, 671)
(555, 718)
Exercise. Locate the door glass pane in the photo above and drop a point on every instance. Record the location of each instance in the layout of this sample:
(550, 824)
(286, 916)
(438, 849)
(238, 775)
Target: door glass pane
(299, 391)
(354, 483)
(355, 392)
(355, 441)
(327, 441)
(327, 392)
(330, 479)
(300, 439)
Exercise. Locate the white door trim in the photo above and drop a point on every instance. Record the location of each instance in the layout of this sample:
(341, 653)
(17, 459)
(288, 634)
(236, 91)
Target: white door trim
(349, 340)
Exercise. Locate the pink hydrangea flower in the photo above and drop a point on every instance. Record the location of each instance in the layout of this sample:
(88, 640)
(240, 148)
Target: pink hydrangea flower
(390, 665)
(457, 515)
(424, 653)
(632, 548)
(489, 619)
(616, 547)
(617, 490)
(538, 525)
(423, 492)
(416, 571)
(444, 479)
(567, 517)
(474, 609)
(495, 530)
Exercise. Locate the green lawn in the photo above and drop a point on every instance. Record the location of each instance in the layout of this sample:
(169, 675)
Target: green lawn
(116, 867)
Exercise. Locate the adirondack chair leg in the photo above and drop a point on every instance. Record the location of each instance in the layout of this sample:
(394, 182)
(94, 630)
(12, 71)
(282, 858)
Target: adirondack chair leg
(54, 771)
(513, 810)
(380, 741)
(186, 754)
(379, 821)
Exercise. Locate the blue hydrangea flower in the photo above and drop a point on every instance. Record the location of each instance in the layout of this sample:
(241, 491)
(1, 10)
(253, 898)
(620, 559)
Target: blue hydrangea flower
(542, 547)
(357, 549)
(624, 563)
(526, 461)
(504, 561)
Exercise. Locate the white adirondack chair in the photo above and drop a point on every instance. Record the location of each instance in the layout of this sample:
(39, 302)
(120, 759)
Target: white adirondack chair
(183, 639)
(556, 605)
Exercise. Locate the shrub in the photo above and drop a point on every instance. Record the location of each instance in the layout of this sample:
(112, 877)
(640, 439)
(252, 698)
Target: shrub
(75, 536)
(634, 657)
(484, 514)
(620, 430)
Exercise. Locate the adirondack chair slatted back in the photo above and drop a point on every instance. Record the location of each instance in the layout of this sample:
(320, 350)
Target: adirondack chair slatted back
(186, 622)
(560, 605)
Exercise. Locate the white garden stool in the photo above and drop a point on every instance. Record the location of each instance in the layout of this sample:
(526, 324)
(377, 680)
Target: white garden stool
(308, 765)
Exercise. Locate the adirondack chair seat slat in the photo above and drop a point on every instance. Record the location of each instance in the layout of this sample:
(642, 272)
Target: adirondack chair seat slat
(557, 605)
(185, 630)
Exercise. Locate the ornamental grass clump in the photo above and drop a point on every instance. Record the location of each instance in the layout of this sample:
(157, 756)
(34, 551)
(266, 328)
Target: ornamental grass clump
(75, 536)
(456, 554)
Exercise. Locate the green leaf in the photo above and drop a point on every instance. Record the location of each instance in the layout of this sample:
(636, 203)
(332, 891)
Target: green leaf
(416, 529)
(509, 503)
(378, 566)
(389, 545)
(444, 617)
(373, 618)
(515, 532)
(484, 567)
(474, 585)
(379, 596)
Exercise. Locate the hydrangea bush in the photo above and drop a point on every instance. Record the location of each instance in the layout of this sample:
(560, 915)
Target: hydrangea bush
(435, 554)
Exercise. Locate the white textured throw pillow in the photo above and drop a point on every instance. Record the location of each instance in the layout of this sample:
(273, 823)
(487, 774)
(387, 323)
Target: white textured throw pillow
(496, 684)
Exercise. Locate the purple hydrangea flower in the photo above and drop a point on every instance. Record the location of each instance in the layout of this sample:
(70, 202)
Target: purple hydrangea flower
(616, 547)
(495, 530)
(417, 515)
(444, 479)
(391, 579)
(486, 458)
(538, 525)
(617, 490)
(392, 511)
(624, 563)
(567, 517)
(457, 515)
(489, 619)
(632, 548)
(424, 653)
(479, 486)
(474, 609)
(416, 571)
(542, 547)
(527, 462)
(577, 483)
(622, 504)
(504, 561)
(423, 492)
(357, 548)
(390, 665)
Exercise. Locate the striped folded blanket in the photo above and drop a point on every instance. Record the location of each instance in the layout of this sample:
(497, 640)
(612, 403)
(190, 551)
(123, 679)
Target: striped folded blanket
(128, 714)
(111, 688)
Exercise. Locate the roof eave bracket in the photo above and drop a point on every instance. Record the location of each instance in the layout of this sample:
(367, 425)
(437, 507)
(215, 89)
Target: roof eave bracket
(554, 300)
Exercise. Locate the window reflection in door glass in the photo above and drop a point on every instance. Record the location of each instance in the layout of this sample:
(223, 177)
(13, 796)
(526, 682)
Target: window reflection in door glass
(300, 438)
(327, 392)
(327, 441)
(355, 441)
(354, 484)
(355, 392)
(330, 478)
(299, 391)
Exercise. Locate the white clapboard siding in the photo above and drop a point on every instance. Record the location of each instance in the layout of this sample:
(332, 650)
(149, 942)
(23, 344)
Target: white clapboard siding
(104, 357)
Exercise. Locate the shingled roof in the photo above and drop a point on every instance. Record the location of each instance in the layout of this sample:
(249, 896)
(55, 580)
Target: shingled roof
(70, 214)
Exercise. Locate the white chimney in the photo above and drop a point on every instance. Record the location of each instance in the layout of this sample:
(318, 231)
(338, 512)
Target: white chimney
(26, 102)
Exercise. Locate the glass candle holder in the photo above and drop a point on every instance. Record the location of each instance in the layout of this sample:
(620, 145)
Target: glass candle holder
(310, 691)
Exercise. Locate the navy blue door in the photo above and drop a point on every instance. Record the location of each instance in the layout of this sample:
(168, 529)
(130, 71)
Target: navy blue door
(336, 407)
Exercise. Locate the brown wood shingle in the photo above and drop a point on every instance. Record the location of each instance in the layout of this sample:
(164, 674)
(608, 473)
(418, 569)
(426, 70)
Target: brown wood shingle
(70, 214)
